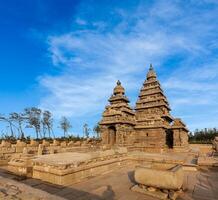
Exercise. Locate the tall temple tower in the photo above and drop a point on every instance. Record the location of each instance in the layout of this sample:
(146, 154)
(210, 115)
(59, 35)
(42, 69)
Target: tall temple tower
(150, 127)
(118, 119)
(153, 119)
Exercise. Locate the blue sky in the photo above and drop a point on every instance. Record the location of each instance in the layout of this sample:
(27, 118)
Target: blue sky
(66, 56)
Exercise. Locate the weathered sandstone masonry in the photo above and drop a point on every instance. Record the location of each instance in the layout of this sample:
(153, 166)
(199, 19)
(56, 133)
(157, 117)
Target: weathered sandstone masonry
(21, 149)
(117, 125)
(71, 167)
(160, 181)
(68, 168)
(149, 127)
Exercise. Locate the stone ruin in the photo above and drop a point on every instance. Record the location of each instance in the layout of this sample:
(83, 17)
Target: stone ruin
(160, 181)
(146, 137)
(215, 144)
(148, 127)
(209, 158)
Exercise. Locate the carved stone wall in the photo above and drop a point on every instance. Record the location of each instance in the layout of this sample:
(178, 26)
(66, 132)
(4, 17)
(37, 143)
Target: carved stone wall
(150, 125)
(118, 120)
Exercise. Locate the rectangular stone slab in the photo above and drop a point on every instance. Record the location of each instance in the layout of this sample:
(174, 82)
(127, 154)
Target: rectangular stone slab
(71, 167)
(160, 178)
(61, 159)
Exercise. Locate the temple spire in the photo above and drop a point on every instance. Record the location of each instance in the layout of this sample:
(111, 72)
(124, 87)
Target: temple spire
(151, 73)
(119, 90)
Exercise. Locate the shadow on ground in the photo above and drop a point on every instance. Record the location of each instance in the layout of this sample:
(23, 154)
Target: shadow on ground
(131, 177)
(70, 193)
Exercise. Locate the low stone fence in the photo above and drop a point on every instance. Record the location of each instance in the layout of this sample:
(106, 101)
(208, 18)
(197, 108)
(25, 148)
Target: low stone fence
(21, 165)
(68, 168)
(8, 150)
(201, 149)
(215, 144)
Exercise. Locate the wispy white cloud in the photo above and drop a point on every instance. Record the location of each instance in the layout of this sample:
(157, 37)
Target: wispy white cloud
(188, 85)
(81, 22)
(92, 59)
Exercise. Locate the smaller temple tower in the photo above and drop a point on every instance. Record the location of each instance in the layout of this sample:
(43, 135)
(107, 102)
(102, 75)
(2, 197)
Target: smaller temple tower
(118, 120)
(180, 135)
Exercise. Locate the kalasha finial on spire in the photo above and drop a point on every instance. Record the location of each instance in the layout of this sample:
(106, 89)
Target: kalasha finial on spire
(119, 89)
(151, 73)
(151, 67)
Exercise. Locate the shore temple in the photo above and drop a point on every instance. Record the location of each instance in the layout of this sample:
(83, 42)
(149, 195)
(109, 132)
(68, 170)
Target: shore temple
(148, 127)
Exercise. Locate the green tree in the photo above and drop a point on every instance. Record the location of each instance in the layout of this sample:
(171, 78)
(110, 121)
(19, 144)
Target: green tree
(7, 120)
(18, 118)
(96, 130)
(86, 130)
(47, 123)
(65, 125)
(205, 135)
(33, 117)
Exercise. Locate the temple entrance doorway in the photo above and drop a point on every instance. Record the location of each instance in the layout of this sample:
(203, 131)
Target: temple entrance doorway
(169, 138)
(111, 135)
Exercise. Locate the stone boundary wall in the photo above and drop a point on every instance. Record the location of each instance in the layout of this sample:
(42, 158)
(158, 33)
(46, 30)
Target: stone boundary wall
(66, 175)
(201, 148)
(69, 176)
(9, 150)
(57, 170)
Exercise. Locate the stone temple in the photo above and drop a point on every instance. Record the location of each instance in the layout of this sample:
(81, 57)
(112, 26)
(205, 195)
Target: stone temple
(149, 127)
(144, 154)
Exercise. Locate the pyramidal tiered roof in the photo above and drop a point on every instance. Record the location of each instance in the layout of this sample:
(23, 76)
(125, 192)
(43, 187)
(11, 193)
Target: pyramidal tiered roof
(152, 107)
(119, 110)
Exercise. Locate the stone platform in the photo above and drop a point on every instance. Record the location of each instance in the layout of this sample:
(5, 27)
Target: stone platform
(200, 185)
(21, 165)
(71, 167)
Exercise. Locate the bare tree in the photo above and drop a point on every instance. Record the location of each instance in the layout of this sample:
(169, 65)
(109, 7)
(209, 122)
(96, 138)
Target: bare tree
(96, 130)
(86, 130)
(44, 128)
(5, 119)
(18, 118)
(33, 116)
(47, 122)
(65, 125)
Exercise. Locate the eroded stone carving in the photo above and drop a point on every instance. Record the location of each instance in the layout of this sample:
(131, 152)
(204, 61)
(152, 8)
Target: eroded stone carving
(150, 125)
(161, 182)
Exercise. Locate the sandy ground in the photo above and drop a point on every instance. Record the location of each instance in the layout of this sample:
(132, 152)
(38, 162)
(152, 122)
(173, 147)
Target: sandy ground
(200, 185)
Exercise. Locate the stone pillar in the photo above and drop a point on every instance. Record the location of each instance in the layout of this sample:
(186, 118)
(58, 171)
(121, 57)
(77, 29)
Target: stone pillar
(45, 143)
(51, 150)
(34, 143)
(40, 149)
(56, 143)
(64, 144)
(25, 151)
(215, 144)
(5, 144)
(104, 134)
(176, 137)
(19, 146)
